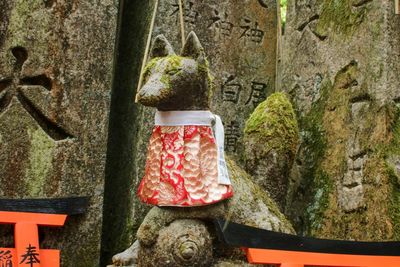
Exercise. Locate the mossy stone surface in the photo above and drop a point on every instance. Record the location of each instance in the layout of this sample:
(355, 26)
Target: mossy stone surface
(274, 121)
(342, 16)
(342, 84)
(271, 138)
(56, 61)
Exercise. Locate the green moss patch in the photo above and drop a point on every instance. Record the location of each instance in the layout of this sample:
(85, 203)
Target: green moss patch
(174, 63)
(394, 147)
(340, 16)
(40, 162)
(393, 150)
(314, 145)
(274, 122)
(323, 187)
(322, 156)
(205, 68)
(150, 67)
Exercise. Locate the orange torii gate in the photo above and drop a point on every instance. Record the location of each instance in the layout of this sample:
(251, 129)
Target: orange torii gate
(285, 250)
(26, 216)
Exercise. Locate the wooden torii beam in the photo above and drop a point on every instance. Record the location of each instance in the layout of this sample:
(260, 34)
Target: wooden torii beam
(27, 215)
(285, 250)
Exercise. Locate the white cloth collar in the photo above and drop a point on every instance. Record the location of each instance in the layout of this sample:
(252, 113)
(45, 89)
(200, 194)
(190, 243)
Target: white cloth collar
(187, 117)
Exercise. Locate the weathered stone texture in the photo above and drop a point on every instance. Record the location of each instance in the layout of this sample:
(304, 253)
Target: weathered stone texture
(187, 243)
(55, 79)
(271, 138)
(340, 65)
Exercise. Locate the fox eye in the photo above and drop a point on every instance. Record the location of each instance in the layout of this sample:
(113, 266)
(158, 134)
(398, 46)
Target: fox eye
(173, 71)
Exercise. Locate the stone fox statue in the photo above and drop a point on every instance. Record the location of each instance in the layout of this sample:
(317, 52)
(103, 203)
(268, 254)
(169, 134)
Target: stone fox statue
(178, 236)
(185, 162)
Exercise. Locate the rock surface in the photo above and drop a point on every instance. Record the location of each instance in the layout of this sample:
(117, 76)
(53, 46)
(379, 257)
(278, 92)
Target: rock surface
(340, 65)
(271, 138)
(55, 79)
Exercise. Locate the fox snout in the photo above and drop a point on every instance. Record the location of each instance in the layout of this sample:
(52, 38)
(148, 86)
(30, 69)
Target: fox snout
(153, 92)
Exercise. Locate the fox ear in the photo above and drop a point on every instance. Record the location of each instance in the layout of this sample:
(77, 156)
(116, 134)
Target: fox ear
(161, 47)
(193, 48)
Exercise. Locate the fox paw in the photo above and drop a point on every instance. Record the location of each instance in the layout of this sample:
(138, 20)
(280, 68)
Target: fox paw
(127, 257)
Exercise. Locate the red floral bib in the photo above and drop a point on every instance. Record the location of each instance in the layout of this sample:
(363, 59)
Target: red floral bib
(182, 168)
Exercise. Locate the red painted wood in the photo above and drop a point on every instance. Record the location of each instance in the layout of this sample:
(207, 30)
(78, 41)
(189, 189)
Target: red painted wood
(291, 265)
(295, 258)
(27, 251)
(42, 219)
(49, 257)
(26, 236)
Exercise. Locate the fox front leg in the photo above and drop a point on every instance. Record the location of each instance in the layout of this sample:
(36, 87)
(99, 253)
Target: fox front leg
(128, 257)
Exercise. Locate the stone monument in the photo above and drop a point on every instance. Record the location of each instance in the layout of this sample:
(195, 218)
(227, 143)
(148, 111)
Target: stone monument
(55, 86)
(341, 65)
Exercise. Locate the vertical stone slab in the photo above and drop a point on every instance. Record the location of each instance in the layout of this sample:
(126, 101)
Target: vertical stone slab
(240, 40)
(55, 82)
(122, 212)
(340, 64)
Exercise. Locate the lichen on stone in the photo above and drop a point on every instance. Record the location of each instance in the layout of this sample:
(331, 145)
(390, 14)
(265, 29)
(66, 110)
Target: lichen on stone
(394, 147)
(393, 151)
(205, 68)
(311, 153)
(323, 187)
(251, 205)
(271, 138)
(173, 63)
(40, 161)
(350, 134)
(340, 16)
(274, 121)
(29, 13)
(150, 66)
(394, 203)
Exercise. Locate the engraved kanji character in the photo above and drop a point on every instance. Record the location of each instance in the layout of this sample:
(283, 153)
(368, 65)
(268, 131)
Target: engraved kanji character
(251, 31)
(232, 135)
(221, 24)
(231, 89)
(190, 15)
(257, 93)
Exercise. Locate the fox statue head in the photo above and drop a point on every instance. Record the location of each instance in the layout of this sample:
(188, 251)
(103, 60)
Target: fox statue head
(172, 82)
